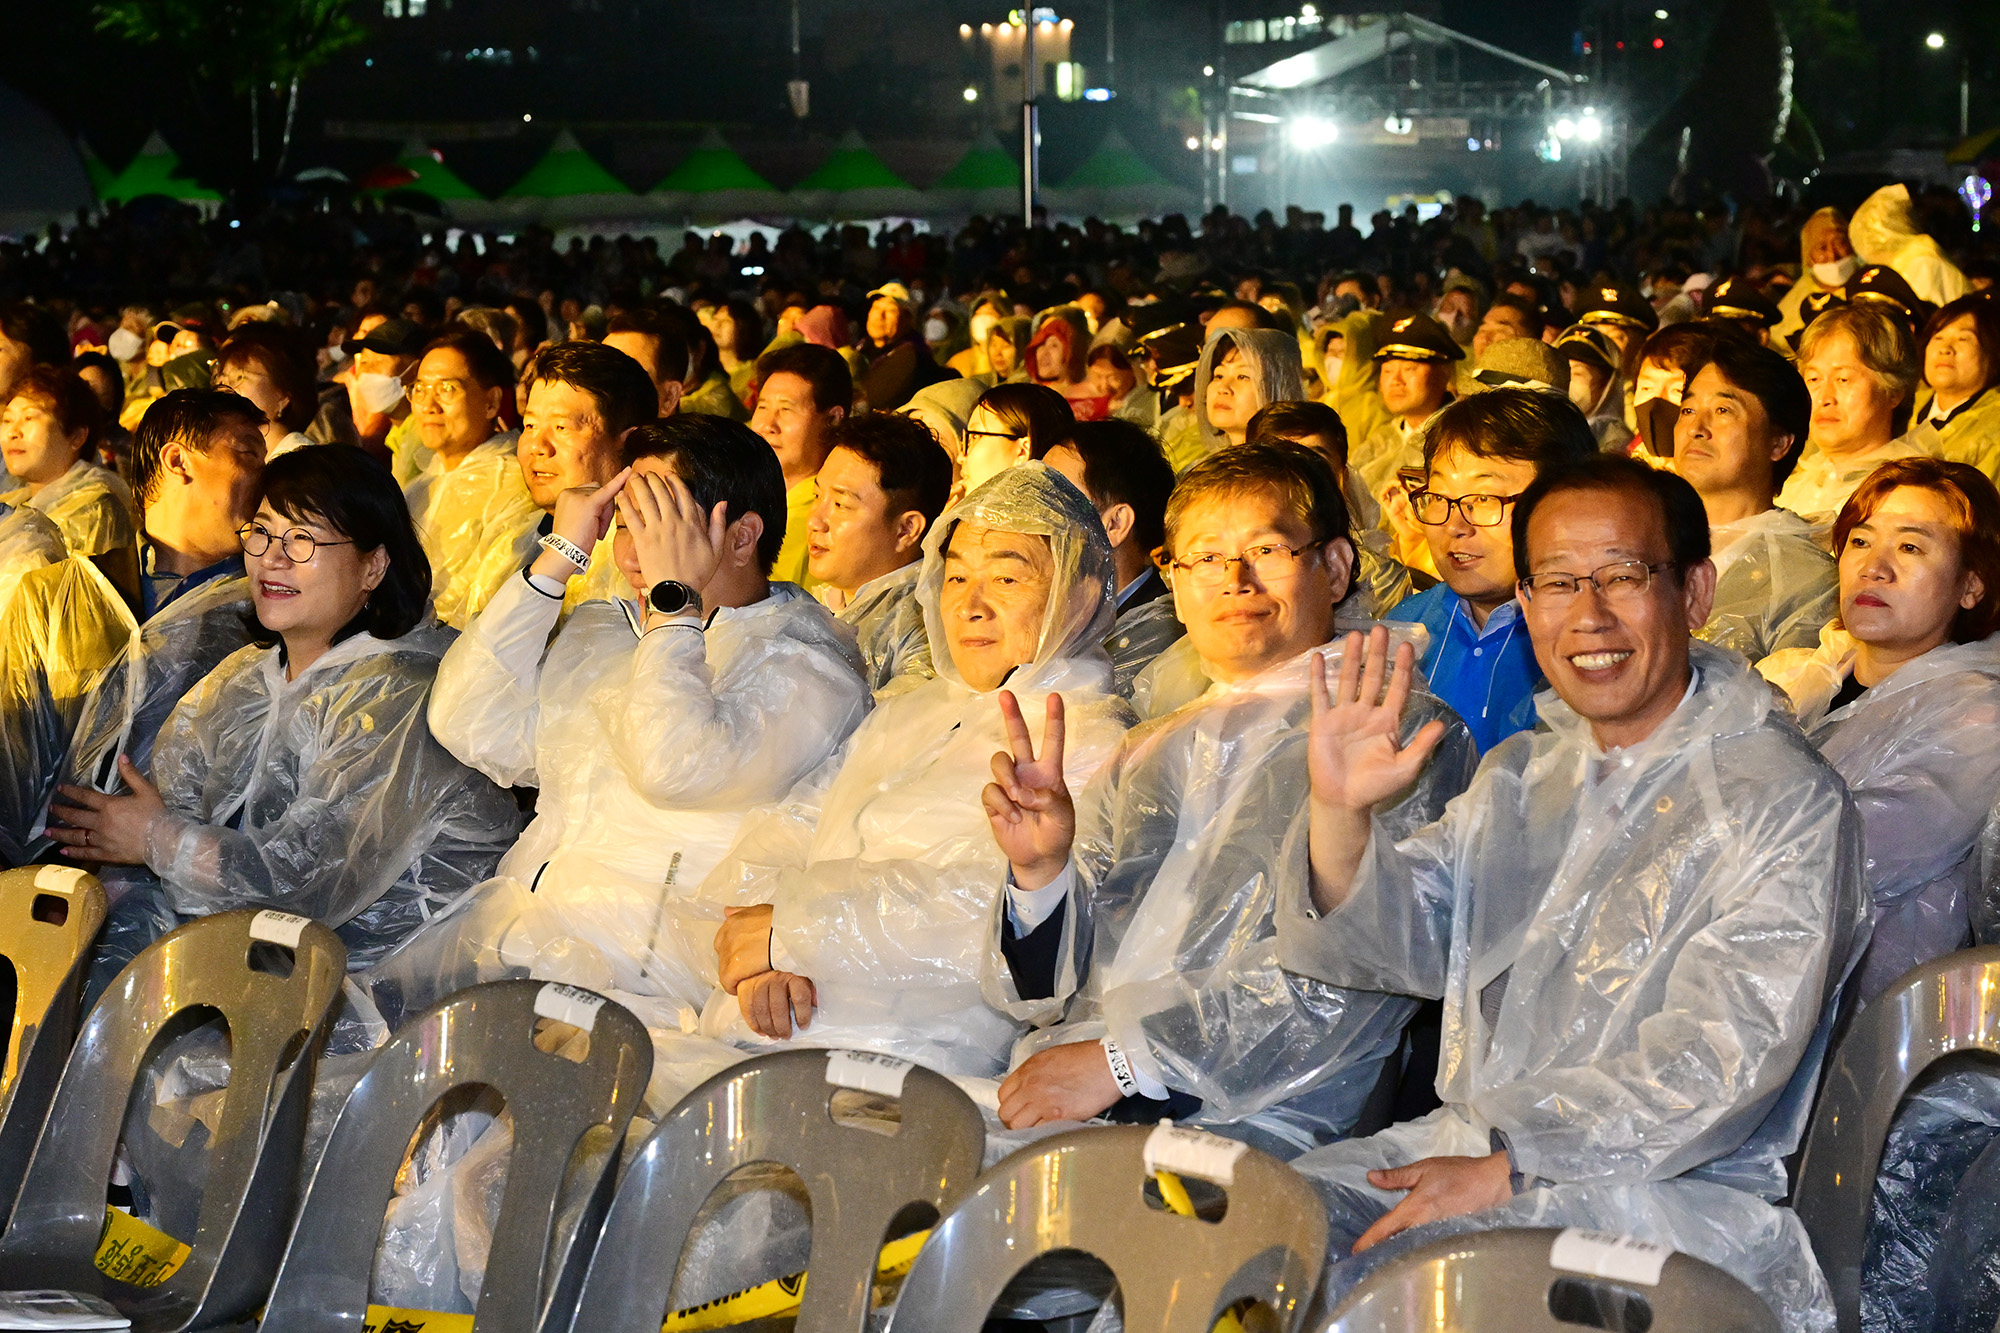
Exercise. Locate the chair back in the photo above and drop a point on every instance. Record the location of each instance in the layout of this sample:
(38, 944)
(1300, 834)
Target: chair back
(1086, 1190)
(272, 978)
(48, 917)
(481, 1036)
(1948, 1006)
(1546, 1280)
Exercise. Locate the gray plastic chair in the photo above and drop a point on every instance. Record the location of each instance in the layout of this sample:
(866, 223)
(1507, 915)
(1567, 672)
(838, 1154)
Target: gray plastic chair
(1502, 1281)
(48, 917)
(483, 1035)
(277, 1001)
(779, 1108)
(1949, 1006)
(1084, 1190)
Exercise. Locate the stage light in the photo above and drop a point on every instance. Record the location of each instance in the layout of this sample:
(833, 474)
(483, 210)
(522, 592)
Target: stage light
(1309, 132)
(1194, 144)
(1935, 41)
(1565, 128)
(1590, 129)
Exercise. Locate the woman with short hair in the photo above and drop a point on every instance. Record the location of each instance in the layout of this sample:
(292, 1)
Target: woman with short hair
(1011, 423)
(1961, 345)
(301, 774)
(1902, 696)
(48, 442)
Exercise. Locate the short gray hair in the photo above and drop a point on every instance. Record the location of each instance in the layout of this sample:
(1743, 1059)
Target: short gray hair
(1883, 343)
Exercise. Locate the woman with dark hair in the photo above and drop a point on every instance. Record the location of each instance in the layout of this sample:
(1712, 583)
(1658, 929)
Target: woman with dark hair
(1902, 696)
(48, 439)
(1011, 423)
(272, 366)
(738, 331)
(1961, 351)
(301, 774)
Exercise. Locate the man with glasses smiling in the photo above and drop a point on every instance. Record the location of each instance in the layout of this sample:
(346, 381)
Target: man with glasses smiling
(1638, 917)
(1480, 453)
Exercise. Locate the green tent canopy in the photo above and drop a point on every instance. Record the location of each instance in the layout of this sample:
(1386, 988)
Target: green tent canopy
(1115, 183)
(712, 168)
(565, 172)
(94, 167)
(434, 178)
(152, 172)
(985, 180)
(854, 183)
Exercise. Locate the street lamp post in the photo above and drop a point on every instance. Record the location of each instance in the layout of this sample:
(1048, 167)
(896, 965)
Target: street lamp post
(1936, 42)
(1030, 86)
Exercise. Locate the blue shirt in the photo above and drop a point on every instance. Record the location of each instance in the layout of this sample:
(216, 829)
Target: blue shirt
(157, 588)
(1489, 677)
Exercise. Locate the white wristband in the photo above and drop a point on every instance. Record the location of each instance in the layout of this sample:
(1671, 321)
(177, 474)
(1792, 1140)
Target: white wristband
(568, 550)
(1121, 1068)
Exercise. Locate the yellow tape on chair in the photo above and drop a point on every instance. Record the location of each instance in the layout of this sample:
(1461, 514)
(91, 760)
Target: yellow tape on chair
(388, 1319)
(781, 1296)
(1175, 1196)
(137, 1254)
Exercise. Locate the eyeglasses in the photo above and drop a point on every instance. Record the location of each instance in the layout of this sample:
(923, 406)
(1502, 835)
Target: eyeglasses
(445, 391)
(298, 545)
(1481, 511)
(1207, 569)
(995, 435)
(1625, 581)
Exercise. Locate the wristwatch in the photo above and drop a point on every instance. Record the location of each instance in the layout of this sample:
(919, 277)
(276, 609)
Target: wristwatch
(671, 597)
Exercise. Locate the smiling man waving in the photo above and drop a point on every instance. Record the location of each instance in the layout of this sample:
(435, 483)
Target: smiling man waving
(1638, 919)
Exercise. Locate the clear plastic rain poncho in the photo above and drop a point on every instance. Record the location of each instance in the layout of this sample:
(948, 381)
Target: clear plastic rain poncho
(1274, 365)
(1140, 634)
(467, 518)
(1921, 754)
(883, 876)
(1774, 585)
(1820, 484)
(1181, 844)
(28, 540)
(1883, 231)
(59, 635)
(648, 753)
(326, 796)
(1639, 953)
(90, 504)
(889, 627)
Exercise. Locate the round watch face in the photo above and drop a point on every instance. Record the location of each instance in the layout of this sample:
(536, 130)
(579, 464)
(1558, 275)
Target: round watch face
(670, 598)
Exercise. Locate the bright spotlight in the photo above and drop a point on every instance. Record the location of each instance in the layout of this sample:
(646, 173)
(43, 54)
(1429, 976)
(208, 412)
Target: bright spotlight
(1660, 14)
(1935, 41)
(1309, 132)
(972, 94)
(1590, 129)
(965, 30)
(1194, 144)
(1208, 71)
(1397, 124)
(1215, 143)
(1565, 128)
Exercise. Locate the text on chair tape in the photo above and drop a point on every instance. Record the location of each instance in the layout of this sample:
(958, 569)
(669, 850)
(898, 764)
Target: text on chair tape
(279, 928)
(569, 1004)
(1190, 1152)
(1602, 1254)
(58, 879)
(865, 1071)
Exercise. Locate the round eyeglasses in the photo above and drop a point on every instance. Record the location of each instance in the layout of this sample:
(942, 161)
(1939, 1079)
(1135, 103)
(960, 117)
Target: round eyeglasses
(298, 545)
(1481, 511)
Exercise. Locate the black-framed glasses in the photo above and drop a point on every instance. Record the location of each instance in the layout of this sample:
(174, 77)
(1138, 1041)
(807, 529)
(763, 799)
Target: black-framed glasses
(1481, 511)
(298, 545)
(1626, 580)
(1207, 569)
(995, 434)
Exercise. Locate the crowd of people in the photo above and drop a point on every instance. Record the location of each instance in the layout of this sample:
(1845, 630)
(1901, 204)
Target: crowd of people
(1469, 710)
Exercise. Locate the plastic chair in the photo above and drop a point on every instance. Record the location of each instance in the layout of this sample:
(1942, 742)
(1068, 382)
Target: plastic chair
(780, 1108)
(1085, 1190)
(483, 1035)
(273, 979)
(1506, 1281)
(48, 917)
(1949, 1006)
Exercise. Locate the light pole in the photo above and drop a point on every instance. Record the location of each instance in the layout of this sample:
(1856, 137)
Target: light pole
(1936, 42)
(1031, 78)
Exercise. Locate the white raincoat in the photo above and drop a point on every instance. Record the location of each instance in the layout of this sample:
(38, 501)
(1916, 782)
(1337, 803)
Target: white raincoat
(889, 626)
(1638, 952)
(477, 525)
(648, 752)
(59, 635)
(28, 540)
(90, 504)
(1921, 753)
(882, 871)
(1774, 586)
(1181, 844)
(1819, 486)
(1883, 232)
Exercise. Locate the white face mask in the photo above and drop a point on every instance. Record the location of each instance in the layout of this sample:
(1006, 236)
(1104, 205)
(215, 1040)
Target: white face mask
(125, 345)
(1835, 275)
(1330, 371)
(936, 331)
(982, 324)
(378, 393)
